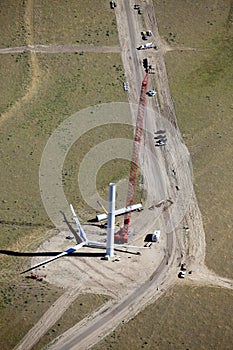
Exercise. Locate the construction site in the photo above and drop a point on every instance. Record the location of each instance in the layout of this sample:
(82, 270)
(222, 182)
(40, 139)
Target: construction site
(145, 236)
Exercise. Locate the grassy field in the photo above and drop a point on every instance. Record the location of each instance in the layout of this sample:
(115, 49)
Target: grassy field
(205, 116)
(22, 303)
(23, 138)
(66, 83)
(163, 325)
(201, 84)
(14, 68)
(80, 308)
(12, 27)
(83, 23)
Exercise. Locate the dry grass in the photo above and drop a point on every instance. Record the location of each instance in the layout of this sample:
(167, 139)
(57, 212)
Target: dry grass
(22, 303)
(111, 171)
(12, 27)
(197, 79)
(201, 85)
(163, 325)
(83, 23)
(64, 92)
(83, 306)
(14, 75)
(70, 85)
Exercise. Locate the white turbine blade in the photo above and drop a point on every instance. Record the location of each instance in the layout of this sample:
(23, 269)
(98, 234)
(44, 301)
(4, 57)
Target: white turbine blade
(81, 231)
(66, 252)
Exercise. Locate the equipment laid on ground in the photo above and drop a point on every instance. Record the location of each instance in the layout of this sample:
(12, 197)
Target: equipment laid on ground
(121, 211)
(104, 216)
(85, 242)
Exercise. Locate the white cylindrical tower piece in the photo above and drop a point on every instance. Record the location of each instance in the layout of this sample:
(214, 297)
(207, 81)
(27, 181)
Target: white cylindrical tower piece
(111, 220)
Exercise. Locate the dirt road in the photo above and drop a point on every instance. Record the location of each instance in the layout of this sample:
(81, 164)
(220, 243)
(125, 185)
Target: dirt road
(59, 48)
(129, 26)
(133, 285)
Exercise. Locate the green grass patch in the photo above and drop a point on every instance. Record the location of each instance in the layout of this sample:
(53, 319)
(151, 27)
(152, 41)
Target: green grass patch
(74, 22)
(186, 318)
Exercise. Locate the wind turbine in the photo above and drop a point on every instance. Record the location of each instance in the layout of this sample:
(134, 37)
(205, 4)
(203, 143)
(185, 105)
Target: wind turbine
(109, 246)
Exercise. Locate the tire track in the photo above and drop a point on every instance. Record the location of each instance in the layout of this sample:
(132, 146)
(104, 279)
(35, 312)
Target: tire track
(37, 77)
(50, 317)
(59, 48)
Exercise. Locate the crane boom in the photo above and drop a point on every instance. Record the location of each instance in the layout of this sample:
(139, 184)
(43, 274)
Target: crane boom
(122, 236)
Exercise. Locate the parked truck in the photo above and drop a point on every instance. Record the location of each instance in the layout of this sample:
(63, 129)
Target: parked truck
(145, 46)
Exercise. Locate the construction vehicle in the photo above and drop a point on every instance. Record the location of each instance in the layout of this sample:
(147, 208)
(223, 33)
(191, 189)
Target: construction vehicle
(183, 270)
(182, 274)
(155, 236)
(151, 93)
(112, 4)
(36, 277)
(126, 86)
(183, 267)
(145, 64)
(145, 46)
(122, 235)
(152, 237)
(145, 34)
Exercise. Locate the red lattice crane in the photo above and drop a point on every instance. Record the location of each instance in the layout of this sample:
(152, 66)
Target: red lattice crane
(122, 235)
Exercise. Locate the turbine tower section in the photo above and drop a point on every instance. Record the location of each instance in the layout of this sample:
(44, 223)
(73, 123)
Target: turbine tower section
(111, 220)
